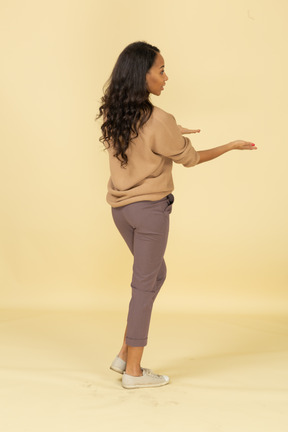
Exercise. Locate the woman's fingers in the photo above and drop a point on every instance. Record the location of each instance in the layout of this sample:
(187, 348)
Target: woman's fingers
(244, 145)
(187, 131)
(249, 146)
(184, 130)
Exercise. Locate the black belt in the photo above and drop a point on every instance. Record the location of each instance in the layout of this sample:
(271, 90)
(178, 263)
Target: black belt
(170, 198)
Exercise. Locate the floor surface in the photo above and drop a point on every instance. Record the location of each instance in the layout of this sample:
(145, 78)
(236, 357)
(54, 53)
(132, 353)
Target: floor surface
(228, 373)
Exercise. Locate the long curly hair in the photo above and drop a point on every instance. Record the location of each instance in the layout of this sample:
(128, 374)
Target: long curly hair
(125, 105)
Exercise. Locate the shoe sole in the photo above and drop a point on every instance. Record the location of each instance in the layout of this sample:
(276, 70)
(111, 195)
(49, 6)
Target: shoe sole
(144, 385)
(115, 369)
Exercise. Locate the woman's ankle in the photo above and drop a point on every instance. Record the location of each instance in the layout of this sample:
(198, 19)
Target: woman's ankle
(123, 355)
(134, 371)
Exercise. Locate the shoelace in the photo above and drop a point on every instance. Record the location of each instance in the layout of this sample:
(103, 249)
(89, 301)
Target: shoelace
(150, 373)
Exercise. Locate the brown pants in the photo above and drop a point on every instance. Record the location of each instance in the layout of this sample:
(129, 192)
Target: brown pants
(144, 226)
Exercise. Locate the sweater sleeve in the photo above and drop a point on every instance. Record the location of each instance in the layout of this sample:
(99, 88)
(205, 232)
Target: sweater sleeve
(169, 142)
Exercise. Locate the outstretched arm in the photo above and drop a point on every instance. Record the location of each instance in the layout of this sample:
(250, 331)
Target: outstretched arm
(206, 155)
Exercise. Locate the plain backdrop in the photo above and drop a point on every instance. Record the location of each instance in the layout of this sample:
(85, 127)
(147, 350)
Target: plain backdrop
(227, 67)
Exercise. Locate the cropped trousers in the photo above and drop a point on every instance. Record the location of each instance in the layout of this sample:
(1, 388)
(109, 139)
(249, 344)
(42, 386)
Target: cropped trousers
(144, 225)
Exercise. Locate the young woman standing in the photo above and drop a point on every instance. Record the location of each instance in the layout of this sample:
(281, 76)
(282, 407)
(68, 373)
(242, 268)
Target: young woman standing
(143, 141)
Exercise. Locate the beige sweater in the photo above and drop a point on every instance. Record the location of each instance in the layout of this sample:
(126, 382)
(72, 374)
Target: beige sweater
(148, 175)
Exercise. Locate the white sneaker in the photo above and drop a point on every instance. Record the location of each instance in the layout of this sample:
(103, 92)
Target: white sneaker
(148, 379)
(118, 365)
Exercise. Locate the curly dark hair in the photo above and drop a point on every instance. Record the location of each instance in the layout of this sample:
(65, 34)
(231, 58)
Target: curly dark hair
(125, 105)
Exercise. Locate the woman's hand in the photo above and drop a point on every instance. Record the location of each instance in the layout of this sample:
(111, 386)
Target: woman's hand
(242, 145)
(206, 155)
(187, 131)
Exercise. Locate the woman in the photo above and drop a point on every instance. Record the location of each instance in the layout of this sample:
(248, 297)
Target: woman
(143, 141)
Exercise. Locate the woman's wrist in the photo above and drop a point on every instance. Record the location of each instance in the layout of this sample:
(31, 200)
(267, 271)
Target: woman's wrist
(231, 146)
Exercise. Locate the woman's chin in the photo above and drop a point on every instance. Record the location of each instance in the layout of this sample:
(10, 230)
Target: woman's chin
(155, 93)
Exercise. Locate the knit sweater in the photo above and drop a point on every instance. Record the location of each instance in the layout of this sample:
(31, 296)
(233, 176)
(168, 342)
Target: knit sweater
(148, 174)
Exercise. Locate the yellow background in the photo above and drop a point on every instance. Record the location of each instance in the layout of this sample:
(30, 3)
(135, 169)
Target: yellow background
(227, 67)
